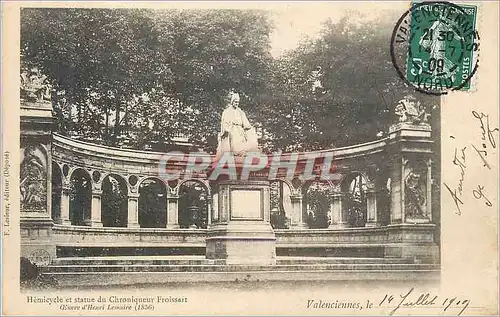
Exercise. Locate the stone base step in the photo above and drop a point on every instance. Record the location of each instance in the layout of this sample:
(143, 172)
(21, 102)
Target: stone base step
(235, 268)
(134, 270)
(201, 260)
(95, 280)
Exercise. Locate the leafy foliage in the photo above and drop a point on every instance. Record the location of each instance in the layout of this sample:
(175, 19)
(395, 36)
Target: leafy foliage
(79, 208)
(144, 75)
(114, 202)
(318, 205)
(140, 78)
(152, 204)
(193, 205)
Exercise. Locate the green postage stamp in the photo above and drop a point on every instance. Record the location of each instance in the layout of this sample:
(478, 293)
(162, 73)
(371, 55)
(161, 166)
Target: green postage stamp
(441, 42)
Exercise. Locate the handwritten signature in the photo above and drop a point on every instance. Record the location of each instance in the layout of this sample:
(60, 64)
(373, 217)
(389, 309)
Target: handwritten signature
(482, 155)
(456, 193)
(488, 138)
(478, 194)
(424, 300)
(484, 119)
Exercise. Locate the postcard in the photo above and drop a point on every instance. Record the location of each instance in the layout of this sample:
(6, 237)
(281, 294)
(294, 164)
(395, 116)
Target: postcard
(250, 158)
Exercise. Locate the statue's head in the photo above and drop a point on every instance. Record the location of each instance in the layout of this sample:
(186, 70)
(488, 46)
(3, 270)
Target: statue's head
(234, 99)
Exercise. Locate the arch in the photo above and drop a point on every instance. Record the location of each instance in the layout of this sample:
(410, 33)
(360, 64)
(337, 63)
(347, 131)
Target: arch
(280, 204)
(204, 184)
(114, 201)
(193, 204)
(292, 189)
(106, 174)
(316, 207)
(152, 203)
(80, 197)
(354, 187)
(71, 169)
(346, 180)
(56, 191)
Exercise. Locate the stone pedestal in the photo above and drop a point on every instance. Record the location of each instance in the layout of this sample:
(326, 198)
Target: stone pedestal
(243, 233)
(411, 232)
(36, 182)
(414, 241)
(36, 238)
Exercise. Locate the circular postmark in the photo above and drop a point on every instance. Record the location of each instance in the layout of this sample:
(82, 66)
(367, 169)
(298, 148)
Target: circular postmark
(40, 257)
(434, 47)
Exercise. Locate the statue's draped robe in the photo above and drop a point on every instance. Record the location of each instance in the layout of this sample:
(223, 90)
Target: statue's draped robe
(241, 136)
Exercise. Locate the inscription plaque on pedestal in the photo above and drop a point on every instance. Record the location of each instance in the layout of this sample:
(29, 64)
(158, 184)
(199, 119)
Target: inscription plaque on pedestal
(246, 204)
(242, 234)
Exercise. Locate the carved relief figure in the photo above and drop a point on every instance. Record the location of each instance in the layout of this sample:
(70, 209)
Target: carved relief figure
(34, 86)
(415, 201)
(412, 111)
(33, 182)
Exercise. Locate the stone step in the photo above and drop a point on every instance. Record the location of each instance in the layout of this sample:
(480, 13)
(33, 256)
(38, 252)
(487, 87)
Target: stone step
(249, 279)
(197, 260)
(340, 260)
(236, 268)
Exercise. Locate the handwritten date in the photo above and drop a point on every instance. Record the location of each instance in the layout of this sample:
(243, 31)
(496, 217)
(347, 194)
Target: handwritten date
(412, 299)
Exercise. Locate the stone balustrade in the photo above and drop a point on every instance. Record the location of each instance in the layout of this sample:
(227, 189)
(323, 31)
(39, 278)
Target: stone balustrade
(80, 236)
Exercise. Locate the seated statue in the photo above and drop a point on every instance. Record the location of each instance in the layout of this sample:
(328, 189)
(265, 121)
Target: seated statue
(236, 134)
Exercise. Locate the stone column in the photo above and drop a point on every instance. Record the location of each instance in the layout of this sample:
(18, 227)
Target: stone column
(371, 208)
(209, 211)
(215, 208)
(336, 210)
(267, 210)
(298, 219)
(396, 190)
(173, 212)
(133, 210)
(65, 193)
(95, 211)
(429, 190)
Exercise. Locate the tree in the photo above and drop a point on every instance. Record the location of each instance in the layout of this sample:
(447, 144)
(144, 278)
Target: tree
(333, 91)
(123, 70)
(138, 77)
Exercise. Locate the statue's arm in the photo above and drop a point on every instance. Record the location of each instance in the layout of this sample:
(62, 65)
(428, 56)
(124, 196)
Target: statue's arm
(246, 123)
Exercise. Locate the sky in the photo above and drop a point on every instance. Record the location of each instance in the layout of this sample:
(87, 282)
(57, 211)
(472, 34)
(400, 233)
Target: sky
(295, 21)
